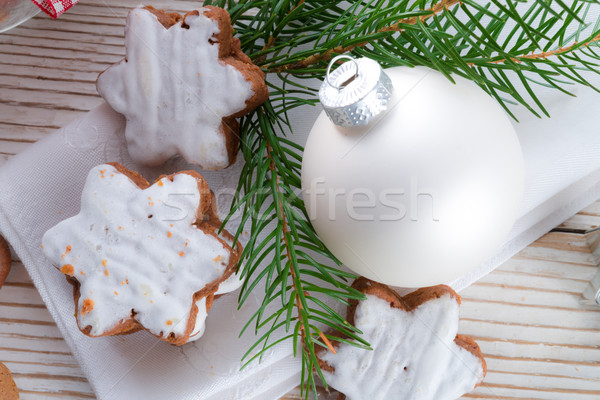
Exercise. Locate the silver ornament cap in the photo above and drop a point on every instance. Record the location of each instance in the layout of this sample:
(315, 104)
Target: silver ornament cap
(356, 92)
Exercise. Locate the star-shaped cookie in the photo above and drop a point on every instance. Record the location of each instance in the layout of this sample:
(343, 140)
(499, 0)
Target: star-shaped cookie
(182, 85)
(416, 354)
(144, 256)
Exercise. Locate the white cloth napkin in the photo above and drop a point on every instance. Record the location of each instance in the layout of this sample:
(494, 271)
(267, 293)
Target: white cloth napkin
(42, 186)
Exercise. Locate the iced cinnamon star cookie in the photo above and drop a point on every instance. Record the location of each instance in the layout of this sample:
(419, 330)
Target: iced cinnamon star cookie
(182, 85)
(144, 256)
(416, 354)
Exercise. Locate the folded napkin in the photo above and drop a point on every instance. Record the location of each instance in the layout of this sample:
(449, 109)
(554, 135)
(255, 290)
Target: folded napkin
(43, 185)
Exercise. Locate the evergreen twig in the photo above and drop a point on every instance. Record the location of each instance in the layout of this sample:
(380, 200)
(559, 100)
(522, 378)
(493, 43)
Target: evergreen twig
(496, 43)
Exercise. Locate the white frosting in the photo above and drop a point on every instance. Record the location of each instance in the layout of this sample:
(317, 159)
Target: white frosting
(230, 284)
(200, 319)
(414, 356)
(134, 249)
(174, 91)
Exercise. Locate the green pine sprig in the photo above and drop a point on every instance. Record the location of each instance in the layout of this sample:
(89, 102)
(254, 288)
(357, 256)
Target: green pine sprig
(549, 43)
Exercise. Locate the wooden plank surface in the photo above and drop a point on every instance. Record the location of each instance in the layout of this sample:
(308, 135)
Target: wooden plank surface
(538, 341)
(585, 220)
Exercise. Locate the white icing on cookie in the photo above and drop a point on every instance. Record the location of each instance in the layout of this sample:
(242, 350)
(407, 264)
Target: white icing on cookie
(134, 249)
(200, 320)
(174, 90)
(230, 284)
(414, 356)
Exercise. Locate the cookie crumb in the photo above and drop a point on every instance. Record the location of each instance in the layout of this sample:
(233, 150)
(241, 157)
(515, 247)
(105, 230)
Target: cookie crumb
(88, 305)
(68, 269)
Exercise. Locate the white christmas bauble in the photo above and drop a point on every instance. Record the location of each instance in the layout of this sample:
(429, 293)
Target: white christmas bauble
(422, 194)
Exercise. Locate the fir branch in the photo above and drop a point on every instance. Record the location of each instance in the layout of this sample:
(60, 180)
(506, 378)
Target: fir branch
(550, 53)
(272, 38)
(400, 34)
(494, 44)
(269, 177)
(330, 53)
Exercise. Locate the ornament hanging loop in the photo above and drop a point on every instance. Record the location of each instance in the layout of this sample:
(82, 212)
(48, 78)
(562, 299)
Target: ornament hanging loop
(355, 92)
(347, 81)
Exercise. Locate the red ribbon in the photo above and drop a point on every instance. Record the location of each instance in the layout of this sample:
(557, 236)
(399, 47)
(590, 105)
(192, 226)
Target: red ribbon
(54, 8)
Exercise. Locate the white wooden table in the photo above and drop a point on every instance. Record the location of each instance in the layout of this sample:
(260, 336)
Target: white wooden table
(538, 341)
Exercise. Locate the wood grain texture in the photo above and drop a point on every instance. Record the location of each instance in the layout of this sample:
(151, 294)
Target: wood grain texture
(539, 342)
(585, 220)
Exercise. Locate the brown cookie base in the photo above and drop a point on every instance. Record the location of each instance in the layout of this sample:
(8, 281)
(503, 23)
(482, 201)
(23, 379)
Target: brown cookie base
(167, 19)
(8, 388)
(5, 260)
(207, 221)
